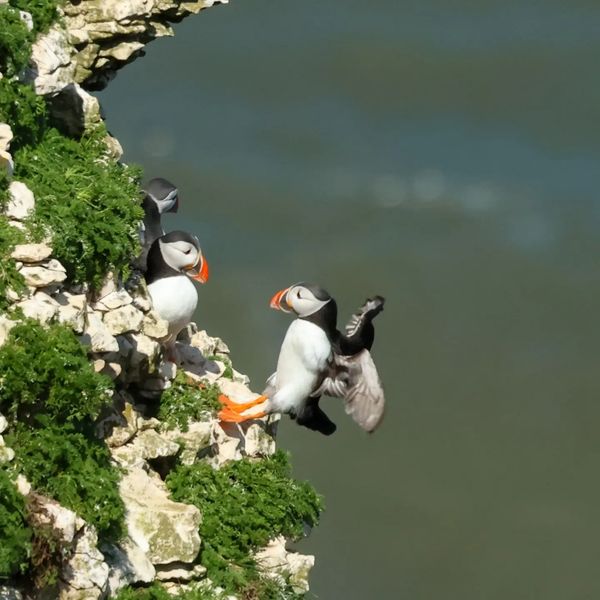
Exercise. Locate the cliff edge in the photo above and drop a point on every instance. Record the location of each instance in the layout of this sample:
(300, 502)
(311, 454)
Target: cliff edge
(117, 479)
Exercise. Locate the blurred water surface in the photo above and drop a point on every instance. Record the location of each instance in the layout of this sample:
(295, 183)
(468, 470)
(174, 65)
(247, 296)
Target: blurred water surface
(445, 155)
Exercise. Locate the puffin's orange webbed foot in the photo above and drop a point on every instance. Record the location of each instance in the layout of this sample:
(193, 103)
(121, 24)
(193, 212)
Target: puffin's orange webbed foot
(240, 407)
(228, 416)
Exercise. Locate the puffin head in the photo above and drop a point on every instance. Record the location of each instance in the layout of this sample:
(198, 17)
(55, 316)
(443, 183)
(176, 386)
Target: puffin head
(163, 193)
(181, 251)
(305, 299)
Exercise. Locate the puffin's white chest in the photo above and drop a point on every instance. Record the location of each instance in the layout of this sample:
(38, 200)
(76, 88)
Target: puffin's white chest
(303, 357)
(175, 300)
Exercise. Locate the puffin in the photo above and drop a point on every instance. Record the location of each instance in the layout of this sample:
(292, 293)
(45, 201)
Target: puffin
(317, 359)
(160, 196)
(174, 259)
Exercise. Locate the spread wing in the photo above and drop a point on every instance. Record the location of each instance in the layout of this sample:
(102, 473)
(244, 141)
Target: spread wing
(355, 379)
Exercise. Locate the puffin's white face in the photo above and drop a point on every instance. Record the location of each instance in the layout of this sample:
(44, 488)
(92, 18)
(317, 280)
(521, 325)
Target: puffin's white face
(303, 300)
(185, 257)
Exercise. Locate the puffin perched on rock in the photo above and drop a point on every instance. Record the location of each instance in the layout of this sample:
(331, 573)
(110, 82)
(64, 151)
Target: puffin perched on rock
(160, 196)
(315, 359)
(173, 260)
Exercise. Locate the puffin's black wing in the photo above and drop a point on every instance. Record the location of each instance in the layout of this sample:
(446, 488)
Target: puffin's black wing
(355, 379)
(359, 331)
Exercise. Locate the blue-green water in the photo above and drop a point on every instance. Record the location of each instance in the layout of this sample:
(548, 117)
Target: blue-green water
(445, 155)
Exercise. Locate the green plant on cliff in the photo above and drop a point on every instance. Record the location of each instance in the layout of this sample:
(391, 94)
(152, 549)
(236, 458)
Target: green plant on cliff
(15, 42)
(45, 374)
(10, 279)
(88, 201)
(43, 12)
(157, 592)
(184, 402)
(244, 505)
(14, 530)
(51, 396)
(74, 469)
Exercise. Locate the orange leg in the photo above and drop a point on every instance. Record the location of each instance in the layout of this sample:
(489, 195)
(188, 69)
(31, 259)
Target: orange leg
(240, 407)
(228, 416)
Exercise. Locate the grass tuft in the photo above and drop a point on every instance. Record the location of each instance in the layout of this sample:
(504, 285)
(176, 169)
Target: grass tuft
(45, 376)
(89, 203)
(244, 505)
(14, 530)
(75, 470)
(15, 42)
(183, 403)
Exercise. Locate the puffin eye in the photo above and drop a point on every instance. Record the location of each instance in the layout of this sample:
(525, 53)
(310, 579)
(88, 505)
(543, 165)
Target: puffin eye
(187, 251)
(298, 295)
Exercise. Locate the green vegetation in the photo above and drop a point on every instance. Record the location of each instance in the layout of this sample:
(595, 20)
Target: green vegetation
(228, 372)
(9, 276)
(14, 531)
(74, 469)
(157, 592)
(89, 202)
(51, 395)
(24, 111)
(15, 42)
(184, 402)
(244, 505)
(45, 376)
(43, 12)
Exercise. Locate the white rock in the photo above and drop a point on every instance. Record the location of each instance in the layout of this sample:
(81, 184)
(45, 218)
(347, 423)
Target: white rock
(97, 335)
(6, 135)
(154, 326)
(144, 349)
(197, 438)
(149, 444)
(128, 564)
(85, 574)
(23, 486)
(179, 572)
(5, 326)
(108, 286)
(7, 164)
(6, 454)
(31, 253)
(72, 310)
(64, 521)
(21, 202)
(53, 68)
(38, 309)
(166, 531)
(122, 425)
(276, 562)
(27, 19)
(3, 423)
(123, 319)
(38, 276)
(114, 300)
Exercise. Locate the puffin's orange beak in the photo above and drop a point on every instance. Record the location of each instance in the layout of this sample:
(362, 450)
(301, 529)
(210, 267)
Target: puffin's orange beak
(199, 271)
(279, 301)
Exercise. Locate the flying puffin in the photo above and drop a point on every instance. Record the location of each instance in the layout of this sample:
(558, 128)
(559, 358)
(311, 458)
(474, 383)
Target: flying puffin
(173, 260)
(315, 359)
(160, 196)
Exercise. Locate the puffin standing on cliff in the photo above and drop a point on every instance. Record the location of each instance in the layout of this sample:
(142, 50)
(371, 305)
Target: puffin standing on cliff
(315, 359)
(173, 260)
(160, 196)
